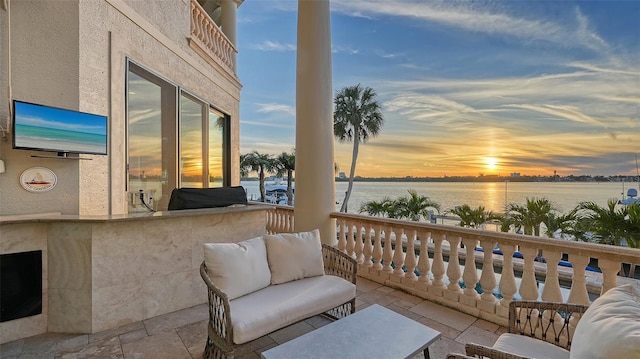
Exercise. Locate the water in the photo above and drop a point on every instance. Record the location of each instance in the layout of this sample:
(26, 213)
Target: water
(62, 139)
(492, 195)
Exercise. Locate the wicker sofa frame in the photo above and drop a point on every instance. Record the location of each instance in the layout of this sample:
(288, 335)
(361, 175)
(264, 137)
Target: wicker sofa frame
(220, 343)
(532, 324)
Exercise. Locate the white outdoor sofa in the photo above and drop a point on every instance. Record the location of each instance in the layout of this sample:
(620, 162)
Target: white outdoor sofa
(264, 284)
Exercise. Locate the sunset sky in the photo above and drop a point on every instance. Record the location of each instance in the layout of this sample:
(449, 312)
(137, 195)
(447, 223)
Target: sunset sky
(466, 87)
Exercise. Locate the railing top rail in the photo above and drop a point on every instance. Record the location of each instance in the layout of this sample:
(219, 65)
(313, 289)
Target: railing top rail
(275, 206)
(571, 247)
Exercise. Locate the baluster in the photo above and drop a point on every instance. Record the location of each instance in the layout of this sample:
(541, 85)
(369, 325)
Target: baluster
(283, 221)
(359, 243)
(291, 224)
(351, 240)
(578, 293)
(551, 291)
(487, 278)
(377, 249)
(368, 247)
(528, 285)
(610, 269)
(437, 267)
(268, 222)
(342, 240)
(387, 255)
(398, 255)
(276, 221)
(508, 286)
(470, 275)
(453, 271)
(410, 257)
(423, 260)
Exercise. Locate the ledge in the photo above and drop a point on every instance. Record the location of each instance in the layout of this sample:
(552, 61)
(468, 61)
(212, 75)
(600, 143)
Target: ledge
(56, 217)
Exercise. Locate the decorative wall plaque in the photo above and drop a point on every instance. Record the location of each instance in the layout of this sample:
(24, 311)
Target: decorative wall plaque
(38, 179)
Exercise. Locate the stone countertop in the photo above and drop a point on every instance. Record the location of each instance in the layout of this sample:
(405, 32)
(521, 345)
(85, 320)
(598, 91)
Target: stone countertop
(57, 217)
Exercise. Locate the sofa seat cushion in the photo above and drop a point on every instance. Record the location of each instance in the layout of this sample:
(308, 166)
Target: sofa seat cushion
(276, 306)
(529, 347)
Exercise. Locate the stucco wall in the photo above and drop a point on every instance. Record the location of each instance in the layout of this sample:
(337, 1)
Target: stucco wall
(73, 54)
(44, 62)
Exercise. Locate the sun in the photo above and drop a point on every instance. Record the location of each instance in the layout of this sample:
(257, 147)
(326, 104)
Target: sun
(492, 163)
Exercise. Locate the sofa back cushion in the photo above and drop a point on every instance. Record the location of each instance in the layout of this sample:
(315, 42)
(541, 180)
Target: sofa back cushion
(238, 268)
(294, 256)
(610, 328)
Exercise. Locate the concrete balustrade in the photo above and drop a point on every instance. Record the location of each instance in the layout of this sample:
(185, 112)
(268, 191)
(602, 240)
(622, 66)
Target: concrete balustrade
(424, 259)
(210, 41)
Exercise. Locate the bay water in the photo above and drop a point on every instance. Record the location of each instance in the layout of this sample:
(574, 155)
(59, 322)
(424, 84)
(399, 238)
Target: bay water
(492, 195)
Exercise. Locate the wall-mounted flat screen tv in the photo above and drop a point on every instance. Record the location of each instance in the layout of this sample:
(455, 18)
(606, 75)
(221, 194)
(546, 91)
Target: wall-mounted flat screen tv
(45, 128)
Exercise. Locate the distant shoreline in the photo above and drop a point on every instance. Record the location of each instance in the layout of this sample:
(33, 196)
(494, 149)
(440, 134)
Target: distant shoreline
(616, 178)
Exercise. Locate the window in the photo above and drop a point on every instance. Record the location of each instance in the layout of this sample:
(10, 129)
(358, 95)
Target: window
(202, 134)
(174, 139)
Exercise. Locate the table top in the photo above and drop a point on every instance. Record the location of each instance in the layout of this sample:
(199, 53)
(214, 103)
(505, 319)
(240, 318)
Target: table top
(373, 332)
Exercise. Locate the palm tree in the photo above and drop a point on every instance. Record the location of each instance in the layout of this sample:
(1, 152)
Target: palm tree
(257, 162)
(375, 208)
(357, 117)
(474, 218)
(415, 206)
(528, 217)
(608, 225)
(286, 163)
(562, 224)
(412, 207)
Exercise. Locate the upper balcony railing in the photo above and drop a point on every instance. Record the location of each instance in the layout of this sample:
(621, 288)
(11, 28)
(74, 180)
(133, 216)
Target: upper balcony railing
(209, 40)
(504, 266)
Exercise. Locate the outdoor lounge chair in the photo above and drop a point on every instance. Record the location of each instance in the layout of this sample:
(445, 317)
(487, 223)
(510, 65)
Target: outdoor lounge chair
(534, 327)
(609, 327)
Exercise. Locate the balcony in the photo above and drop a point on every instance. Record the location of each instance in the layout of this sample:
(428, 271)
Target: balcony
(209, 41)
(462, 298)
(182, 334)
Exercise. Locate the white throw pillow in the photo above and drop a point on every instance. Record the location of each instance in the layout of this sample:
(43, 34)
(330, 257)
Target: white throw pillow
(610, 328)
(238, 268)
(294, 256)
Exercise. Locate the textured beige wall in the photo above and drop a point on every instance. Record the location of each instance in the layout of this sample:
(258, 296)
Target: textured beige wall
(44, 62)
(72, 54)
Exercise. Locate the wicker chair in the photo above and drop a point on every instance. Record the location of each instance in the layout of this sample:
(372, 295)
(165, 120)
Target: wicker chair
(458, 356)
(547, 321)
(220, 339)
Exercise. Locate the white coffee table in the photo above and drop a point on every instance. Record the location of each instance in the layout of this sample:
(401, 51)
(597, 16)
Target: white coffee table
(374, 332)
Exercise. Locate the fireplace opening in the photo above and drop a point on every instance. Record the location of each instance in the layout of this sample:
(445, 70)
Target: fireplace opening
(20, 285)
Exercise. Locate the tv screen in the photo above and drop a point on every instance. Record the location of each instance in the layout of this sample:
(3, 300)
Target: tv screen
(52, 129)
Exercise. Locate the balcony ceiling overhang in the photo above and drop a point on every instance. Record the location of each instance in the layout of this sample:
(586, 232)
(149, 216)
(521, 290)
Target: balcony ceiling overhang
(213, 8)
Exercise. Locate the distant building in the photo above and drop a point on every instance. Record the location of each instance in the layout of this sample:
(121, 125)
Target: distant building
(515, 174)
(342, 175)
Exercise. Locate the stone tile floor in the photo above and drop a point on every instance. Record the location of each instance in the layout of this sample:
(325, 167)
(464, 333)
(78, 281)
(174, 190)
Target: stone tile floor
(182, 334)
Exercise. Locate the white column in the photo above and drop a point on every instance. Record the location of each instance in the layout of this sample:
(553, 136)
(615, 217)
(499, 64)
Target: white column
(228, 23)
(315, 187)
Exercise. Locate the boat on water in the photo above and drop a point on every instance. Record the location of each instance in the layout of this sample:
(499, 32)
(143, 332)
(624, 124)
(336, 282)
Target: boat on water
(632, 193)
(277, 193)
(632, 197)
